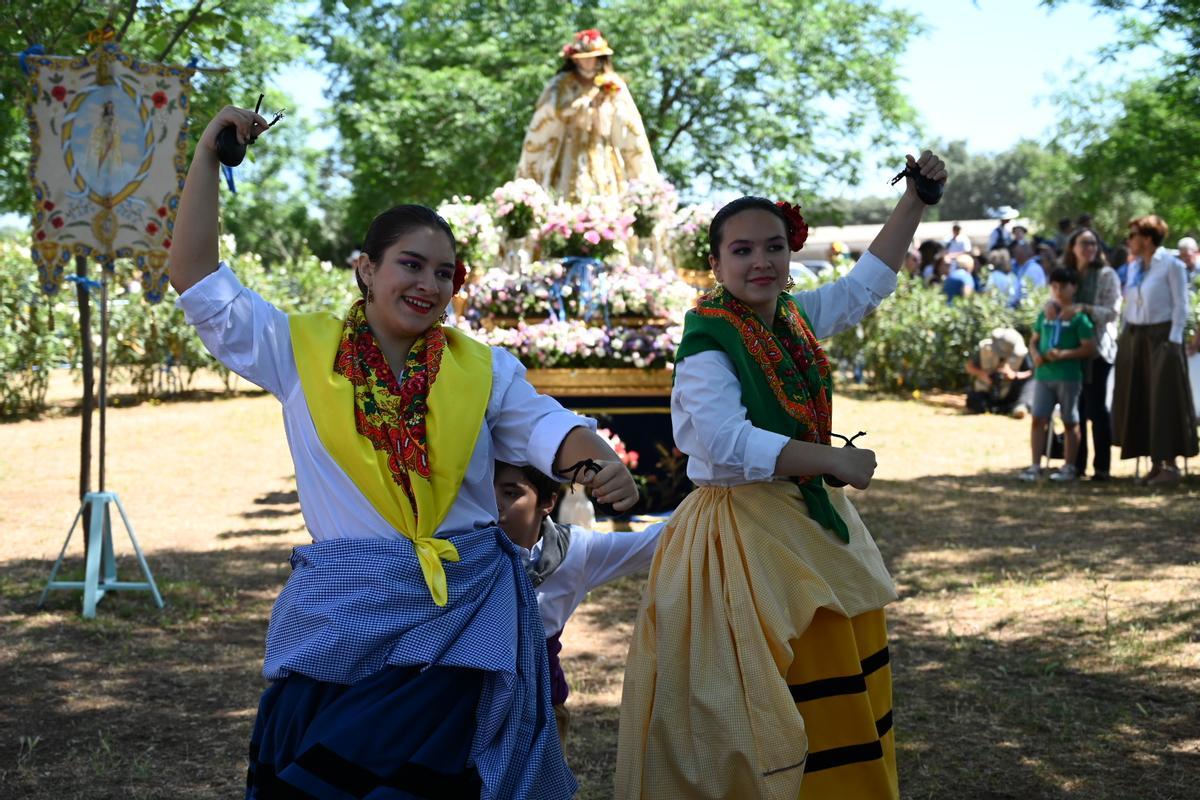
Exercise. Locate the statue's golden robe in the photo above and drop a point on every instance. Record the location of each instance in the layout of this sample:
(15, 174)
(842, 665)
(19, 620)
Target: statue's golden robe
(585, 141)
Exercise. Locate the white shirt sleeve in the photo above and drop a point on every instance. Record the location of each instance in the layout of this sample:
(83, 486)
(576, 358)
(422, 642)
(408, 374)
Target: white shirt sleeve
(710, 421)
(527, 427)
(1177, 281)
(617, 554)
(243, 331)
(836, 306)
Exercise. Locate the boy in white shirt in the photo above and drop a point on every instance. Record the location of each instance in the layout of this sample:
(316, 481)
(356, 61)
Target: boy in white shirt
(566, 561)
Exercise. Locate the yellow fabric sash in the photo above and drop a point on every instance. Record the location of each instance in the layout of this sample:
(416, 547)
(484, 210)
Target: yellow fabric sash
(457, 401)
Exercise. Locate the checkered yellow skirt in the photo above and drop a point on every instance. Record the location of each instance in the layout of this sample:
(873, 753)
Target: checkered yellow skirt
(759, 666)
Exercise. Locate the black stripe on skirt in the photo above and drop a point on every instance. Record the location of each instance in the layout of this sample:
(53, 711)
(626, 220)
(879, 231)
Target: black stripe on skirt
(847, 684)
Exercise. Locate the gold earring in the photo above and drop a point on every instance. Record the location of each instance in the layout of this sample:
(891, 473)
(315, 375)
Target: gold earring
(442, 318)
(791, 284)
(370, 294)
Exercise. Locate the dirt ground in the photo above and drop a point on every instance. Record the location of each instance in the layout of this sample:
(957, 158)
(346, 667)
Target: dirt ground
(1046, 643)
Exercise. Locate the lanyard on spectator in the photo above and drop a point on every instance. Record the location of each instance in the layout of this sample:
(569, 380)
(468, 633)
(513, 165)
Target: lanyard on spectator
(1136, 283)
(1057, 334)
(1140, 274)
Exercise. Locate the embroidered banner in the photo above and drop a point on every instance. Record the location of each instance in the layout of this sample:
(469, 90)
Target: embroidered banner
(108, 136)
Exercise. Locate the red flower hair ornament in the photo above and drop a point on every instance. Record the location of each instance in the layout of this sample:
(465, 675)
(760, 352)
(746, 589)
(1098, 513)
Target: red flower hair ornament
(460, 274)
(797, 228)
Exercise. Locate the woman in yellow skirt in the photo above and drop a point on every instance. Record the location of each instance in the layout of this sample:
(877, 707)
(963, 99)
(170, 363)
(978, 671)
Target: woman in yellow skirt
(759, 666)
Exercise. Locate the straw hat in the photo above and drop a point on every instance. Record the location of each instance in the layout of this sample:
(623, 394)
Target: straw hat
(587, 44)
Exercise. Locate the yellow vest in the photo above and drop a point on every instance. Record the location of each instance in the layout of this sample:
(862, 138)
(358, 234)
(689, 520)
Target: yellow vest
(457, 402)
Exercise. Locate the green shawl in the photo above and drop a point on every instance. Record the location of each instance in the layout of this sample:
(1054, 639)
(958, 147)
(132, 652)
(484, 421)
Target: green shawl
(787, 385)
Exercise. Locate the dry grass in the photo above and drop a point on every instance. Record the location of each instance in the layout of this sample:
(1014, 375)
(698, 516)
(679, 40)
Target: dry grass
(1046, 643)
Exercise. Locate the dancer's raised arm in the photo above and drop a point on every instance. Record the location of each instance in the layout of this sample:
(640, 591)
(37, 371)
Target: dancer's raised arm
(893, 240)
(195, 252)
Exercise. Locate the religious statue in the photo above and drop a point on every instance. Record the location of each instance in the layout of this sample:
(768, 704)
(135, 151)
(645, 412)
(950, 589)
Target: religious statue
(586, 137)
(104, 143)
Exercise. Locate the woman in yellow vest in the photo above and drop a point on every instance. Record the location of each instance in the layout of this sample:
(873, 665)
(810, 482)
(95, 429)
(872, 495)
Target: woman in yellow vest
(406, 650)
(759, 664)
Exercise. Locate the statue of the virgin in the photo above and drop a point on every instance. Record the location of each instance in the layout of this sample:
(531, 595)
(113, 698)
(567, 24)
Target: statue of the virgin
(586, 137)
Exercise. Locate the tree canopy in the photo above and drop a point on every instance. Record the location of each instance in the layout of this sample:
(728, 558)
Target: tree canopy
(1134, 149)
(980, 182)
(432, 97)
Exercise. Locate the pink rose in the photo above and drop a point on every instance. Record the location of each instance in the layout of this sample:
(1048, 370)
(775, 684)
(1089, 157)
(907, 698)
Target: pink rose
(592, 237)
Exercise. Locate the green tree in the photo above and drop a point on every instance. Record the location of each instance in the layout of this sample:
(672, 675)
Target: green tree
(432, 98)
(1143, 158)
(979, 182)
(1135, 148)
(285, 205)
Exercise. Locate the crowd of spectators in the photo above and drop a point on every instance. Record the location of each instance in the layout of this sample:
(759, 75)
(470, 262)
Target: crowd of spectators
(1107, 352)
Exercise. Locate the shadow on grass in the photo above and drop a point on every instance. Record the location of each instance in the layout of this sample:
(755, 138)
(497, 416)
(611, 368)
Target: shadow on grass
(143, 703)
(251, 533)
(1068, 708)
(137, 702)
(994, 525)
(74, 408)
(291, 497)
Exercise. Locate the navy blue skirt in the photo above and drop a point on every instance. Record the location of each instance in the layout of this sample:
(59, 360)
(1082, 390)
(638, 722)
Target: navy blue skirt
(399, 734)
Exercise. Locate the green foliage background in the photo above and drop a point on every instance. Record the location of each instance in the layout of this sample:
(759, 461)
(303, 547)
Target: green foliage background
(432, 96)
(150, 346)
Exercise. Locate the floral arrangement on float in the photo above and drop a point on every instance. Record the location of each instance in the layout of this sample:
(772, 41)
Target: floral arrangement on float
(501, 293)
(576, 344)
(597, 229)
(638, 291)
(475, 232)
(628, 457)
(654, 204)
(521, 207)
(622, 291)
(690, 235)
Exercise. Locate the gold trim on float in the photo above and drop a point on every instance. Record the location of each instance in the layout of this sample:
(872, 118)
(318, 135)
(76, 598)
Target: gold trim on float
(601, 382)
(622, 410)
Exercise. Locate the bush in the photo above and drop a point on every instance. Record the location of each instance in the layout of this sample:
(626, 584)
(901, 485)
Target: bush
(150, 345)
(31, 340)
(916, 340)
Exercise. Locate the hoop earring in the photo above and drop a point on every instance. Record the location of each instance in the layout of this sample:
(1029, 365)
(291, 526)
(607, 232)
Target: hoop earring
(370, 294)
(791, 284)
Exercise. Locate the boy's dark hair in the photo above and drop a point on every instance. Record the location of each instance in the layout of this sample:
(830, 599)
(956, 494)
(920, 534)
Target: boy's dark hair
(1064, 275)
(545, 486)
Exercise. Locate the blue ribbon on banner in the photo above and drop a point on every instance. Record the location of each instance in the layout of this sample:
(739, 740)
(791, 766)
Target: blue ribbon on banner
(87, 283)
(193, 61)
(32, 50)
(586, 276)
